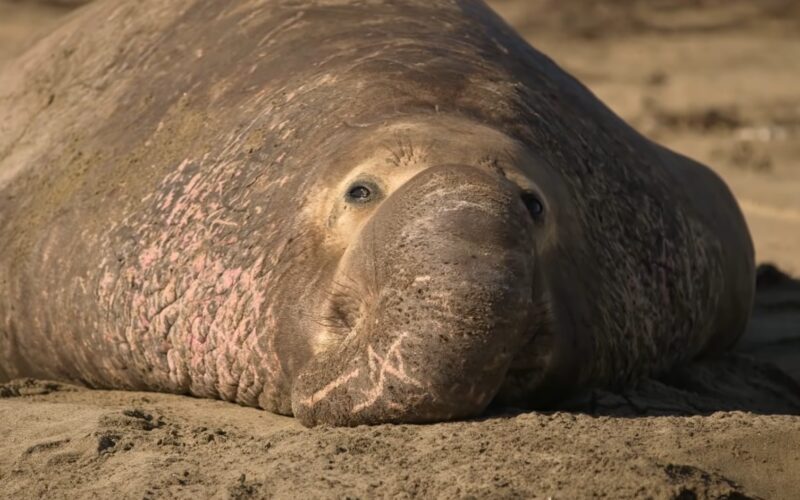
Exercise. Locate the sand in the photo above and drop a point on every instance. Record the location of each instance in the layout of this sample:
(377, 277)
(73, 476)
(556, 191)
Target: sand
(715, 79)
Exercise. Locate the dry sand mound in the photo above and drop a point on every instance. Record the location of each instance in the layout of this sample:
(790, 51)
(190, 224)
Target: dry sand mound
(77, 442)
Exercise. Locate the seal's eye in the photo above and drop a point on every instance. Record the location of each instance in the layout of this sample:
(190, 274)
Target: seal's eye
(533, 204)
(361, 192)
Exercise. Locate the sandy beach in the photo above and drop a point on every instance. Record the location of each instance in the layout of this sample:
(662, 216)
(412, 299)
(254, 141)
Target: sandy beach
(716, 80)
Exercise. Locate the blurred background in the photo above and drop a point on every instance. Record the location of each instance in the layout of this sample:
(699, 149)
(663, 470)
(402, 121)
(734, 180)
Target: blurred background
(718, 80)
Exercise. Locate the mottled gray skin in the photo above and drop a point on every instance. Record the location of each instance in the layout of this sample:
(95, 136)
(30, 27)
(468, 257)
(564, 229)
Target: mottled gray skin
(174, 214)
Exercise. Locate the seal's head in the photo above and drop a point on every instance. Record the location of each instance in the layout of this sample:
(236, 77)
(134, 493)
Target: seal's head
(435, 234)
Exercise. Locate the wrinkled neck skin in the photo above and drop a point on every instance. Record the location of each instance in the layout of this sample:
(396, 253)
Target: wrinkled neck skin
(432, 291)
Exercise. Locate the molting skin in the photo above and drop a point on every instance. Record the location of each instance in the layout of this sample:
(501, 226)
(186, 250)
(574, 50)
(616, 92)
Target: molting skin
(354, 212)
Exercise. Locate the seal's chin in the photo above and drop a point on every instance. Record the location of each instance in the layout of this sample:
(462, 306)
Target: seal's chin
(386, 370)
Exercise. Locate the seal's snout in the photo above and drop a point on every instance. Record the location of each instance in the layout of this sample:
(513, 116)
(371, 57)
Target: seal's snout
(447, 265)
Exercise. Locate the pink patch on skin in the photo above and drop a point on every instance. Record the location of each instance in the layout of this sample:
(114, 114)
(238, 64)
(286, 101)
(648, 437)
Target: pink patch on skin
(213, 326)
(196, 340)
(171, 362)
(192, 244)
(176, 368)
(106, 284)
(273, 363)
(255, 289)
(149, 257)
(199, 264)
(179, 207)
(193, 212)
(192, 188)
(229, 278)
(130, 274)
(226, 381)
(167, 200)
(219, 267)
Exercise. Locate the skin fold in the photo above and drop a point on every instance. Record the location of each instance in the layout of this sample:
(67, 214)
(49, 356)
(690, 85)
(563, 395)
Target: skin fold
(351, 212)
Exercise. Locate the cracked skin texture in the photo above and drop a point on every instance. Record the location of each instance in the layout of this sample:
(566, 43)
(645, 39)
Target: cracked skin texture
(172, 215)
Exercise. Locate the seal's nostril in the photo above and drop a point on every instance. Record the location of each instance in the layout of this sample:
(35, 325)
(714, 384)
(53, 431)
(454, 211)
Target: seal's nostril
(533, 204)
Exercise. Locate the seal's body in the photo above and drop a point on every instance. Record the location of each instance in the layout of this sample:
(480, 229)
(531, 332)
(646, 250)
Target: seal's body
(353, 212)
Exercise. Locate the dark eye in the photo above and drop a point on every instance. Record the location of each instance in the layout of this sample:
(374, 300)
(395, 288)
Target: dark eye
(361, 192)
(533, 204)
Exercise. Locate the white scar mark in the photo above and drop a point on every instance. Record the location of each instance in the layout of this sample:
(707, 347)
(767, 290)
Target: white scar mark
(222, 222)
(422, 279)
(323, 393)
(383, 365)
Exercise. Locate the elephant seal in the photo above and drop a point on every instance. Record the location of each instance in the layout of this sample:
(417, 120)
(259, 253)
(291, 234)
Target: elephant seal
(351, 212)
